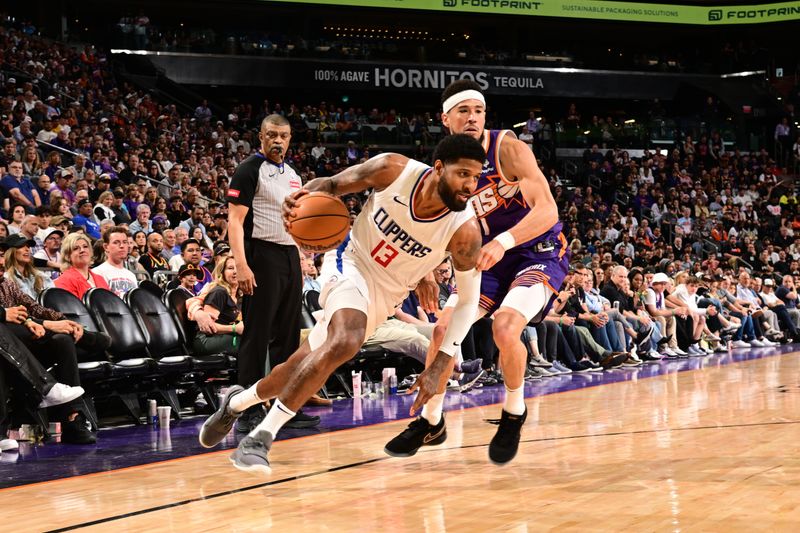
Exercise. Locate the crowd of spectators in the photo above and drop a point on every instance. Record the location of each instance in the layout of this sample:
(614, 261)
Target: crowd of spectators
(103, 186)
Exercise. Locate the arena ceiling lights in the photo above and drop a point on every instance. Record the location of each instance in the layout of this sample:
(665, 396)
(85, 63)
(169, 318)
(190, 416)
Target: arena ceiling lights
(710, 15)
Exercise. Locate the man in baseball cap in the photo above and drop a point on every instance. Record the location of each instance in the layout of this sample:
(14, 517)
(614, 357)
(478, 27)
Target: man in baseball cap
(655, 299)
(85, 218)
(188, 275)
(50, 254)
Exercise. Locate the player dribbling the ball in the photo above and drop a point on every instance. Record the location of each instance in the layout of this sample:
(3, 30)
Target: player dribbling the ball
(414, 218)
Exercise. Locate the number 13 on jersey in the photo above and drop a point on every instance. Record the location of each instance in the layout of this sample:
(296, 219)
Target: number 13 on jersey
(383, 253)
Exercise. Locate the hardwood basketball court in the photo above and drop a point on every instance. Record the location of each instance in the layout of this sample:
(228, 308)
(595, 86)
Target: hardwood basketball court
(711, 449)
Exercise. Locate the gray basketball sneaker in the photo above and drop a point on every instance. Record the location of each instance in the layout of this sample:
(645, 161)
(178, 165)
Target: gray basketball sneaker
(251, 455)
(218, 425)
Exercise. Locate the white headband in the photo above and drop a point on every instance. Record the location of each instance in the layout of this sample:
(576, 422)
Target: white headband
(470, 94)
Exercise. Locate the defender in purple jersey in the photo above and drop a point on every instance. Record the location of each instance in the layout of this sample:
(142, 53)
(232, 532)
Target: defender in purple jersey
(524, 260)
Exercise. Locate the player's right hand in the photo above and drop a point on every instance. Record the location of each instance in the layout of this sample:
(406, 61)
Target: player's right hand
(432, 380)
(247, 280)
(287, 209)
(427, 292)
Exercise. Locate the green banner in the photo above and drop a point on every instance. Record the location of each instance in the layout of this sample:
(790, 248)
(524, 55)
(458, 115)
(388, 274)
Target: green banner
(593, 9)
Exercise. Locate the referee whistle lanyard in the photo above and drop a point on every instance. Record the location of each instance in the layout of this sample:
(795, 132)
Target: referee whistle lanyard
(279, 166)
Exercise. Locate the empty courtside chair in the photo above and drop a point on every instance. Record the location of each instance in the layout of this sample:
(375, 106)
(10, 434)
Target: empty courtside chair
(129, 350)
(151, 286)
(164, 341)
(311, 299)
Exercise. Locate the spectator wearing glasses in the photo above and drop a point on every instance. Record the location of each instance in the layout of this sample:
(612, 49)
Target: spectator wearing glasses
(50, 253)
(19, 188)
(444, 275)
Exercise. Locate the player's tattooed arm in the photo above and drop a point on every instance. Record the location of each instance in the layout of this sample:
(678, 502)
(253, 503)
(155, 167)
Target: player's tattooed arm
(378, 172)
(465, 245)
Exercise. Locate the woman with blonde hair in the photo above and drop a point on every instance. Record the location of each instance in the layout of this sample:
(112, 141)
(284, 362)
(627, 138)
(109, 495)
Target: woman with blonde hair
(31, 163)
(76, 253)
(223, 304)
(102, 210)
(20, 269)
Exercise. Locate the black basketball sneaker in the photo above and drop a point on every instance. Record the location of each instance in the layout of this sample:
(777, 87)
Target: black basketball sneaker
(419, 433)
(505, 442)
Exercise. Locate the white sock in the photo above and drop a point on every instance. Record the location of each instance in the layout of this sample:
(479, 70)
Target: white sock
(243, 400)
(515, 401)
(277, 416)
(432, 411)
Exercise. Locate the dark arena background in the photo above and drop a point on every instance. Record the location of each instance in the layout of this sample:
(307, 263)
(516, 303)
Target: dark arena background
(660, 386)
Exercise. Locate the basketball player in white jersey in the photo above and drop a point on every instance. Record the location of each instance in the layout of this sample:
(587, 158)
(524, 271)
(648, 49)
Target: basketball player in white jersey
(415, 216)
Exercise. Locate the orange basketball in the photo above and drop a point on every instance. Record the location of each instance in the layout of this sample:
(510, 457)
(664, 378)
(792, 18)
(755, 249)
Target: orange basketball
(321, 222)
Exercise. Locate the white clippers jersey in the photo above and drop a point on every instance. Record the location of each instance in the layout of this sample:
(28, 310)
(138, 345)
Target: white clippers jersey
(393, 246)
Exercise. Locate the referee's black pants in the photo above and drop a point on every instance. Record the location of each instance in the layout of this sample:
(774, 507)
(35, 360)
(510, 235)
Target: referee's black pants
(271, 314)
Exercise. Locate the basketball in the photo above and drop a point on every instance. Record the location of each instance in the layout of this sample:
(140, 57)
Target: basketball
(321, 222)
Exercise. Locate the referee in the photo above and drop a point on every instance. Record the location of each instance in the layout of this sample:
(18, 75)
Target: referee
(267, 263)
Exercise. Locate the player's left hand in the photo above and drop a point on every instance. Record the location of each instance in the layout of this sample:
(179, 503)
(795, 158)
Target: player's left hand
(427, 292)
(289, 203)
(490, 254)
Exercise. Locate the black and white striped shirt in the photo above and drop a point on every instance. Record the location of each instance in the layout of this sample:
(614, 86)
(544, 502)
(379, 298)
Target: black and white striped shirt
(261, 185)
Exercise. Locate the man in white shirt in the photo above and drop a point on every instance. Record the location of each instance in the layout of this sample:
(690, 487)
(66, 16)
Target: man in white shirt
(612, 234)
(624, 248)
(655, 302)
(777, 306)
(685, 295)
(741, 199)
(526, 136)
(115, 244)
(51, 249)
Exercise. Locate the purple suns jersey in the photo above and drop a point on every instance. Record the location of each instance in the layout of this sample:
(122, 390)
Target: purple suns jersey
(498, 202)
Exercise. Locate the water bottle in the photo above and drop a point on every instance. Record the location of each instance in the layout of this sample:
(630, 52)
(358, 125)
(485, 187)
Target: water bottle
(152, 412)
(393, 384)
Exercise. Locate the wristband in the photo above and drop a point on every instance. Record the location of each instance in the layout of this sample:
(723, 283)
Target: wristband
(561, 321)
(234, 328)
(506, 240)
